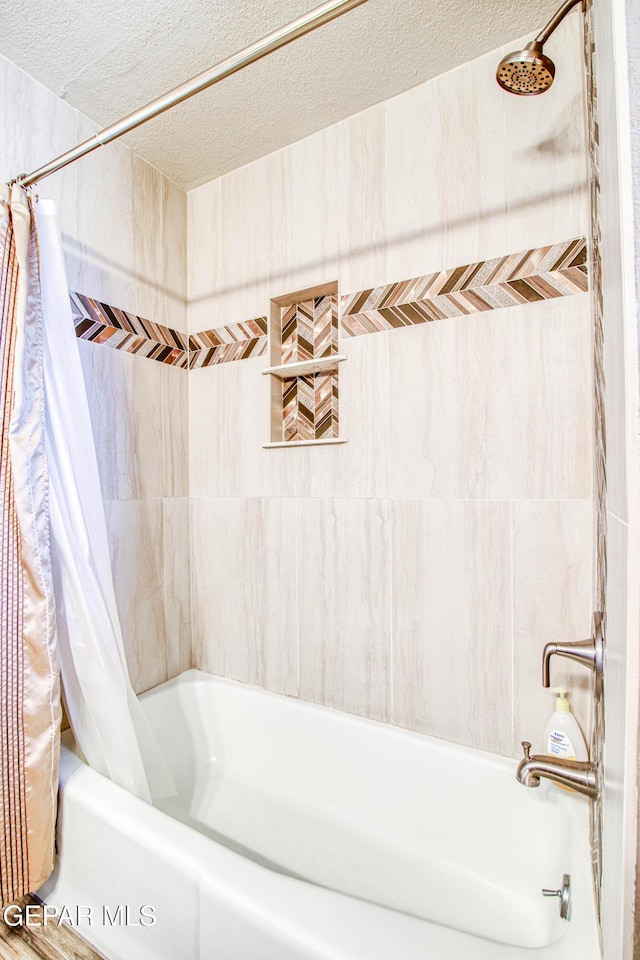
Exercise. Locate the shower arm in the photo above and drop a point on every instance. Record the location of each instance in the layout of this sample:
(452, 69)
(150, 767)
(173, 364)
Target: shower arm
(273, 41)
(556, 20)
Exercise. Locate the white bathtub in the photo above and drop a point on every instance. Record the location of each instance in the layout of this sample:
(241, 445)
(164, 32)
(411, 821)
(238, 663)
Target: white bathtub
(300, 833)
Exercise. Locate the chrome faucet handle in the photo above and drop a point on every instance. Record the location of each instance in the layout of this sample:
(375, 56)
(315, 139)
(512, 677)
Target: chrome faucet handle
(526, 747)
(590, 653)
(564, 894)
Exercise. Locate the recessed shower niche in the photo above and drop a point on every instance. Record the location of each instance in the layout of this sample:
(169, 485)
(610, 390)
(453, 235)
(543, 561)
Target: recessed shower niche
(304, 371)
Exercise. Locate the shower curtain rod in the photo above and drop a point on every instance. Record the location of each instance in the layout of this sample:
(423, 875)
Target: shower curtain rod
(273, 41)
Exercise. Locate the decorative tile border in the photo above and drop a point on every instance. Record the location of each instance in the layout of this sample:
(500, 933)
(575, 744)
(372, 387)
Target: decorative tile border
(116, 328)
(102, 323)
(236, 341)
(543, 273)
(226, 352)
(539, 274)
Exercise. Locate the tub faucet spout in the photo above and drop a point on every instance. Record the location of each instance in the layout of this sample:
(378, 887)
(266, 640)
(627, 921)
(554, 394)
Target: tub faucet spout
(579, 775)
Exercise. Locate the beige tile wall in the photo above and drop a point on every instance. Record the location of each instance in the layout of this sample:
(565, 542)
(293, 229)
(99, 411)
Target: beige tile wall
(251, 586)
(344, 604)
(385, 576)
(414, 573)
(124, 236)
(419, 183)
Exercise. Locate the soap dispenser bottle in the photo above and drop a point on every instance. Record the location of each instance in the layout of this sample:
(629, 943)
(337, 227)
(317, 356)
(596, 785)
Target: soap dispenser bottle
(563, 737)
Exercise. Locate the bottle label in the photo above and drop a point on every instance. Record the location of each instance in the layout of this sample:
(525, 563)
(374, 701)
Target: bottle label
(559, 745)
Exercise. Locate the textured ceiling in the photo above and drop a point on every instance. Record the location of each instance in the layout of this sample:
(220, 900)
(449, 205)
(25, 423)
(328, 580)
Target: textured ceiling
(108, 58)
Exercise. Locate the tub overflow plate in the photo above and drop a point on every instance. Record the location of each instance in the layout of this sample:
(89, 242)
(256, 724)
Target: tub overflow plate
(564, 895)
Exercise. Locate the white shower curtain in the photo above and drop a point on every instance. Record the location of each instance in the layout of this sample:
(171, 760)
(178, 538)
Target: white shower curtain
(105, 716)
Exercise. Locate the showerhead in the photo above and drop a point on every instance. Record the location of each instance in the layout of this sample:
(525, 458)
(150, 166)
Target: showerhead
(526, 72)
(529, 72)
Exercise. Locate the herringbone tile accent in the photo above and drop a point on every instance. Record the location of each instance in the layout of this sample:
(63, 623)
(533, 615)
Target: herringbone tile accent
(539, 274)
(305, 331)
(325, 322)
(298, 408)
(309, 331)
(116, 328)
(289, 334)
(290, 409)
(226, 352)
(236, 341)
(102, 323)
(326, 405)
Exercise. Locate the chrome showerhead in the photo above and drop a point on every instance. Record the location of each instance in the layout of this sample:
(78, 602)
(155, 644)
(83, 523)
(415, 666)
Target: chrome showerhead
(526, 72)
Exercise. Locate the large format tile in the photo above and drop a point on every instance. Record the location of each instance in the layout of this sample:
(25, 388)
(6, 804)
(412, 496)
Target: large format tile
(203, 238)
(318, 198)
(177, 584)
(545, 150)
(552, 591)
(344, 605)
(360, 467)
(125, 403)
(449, 434)
(244, 590)
(451, 597)
(119, 229)
(136, 543)
(551, 399)
(254, 254)
(495, 406)
(445, 172)
(174, 256)
(147, 239)
(363, 261)
(414, 202)
(104, 258)
(175, 430)
(203, 431)
(229, 420)
(38, 127)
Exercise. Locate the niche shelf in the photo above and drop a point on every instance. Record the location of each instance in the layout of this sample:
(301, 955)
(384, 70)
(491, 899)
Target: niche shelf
(303, 443)
(303, 350)
(298, 369)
